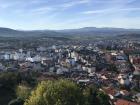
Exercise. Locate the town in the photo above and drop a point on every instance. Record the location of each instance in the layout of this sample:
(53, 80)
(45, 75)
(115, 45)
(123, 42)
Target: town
(69, 52)
(113, 65)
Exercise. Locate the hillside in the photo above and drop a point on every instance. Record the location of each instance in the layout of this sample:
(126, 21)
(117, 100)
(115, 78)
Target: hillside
(87, 31)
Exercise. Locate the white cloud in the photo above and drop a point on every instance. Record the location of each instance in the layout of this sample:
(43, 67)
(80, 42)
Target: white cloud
(74, 3)
(43, 9)
(96, 11)
(111, 10)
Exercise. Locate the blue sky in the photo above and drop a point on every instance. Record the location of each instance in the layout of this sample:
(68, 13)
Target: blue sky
(64, 14)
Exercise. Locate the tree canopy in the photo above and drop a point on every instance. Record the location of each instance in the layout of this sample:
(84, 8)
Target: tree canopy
(62, 92)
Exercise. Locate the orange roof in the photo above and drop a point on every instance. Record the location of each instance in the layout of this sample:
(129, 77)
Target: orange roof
(125, 102)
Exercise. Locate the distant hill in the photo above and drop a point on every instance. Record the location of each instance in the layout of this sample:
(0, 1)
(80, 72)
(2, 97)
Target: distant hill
(6, 32)
(100, 31)
(87, 31)
(134, 35)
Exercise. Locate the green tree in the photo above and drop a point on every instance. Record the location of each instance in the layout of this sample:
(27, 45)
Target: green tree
(90, 94)
(23, 92)
(95, 97)
(8, 80)
(59, 92)
(103, 98)
(17, 101)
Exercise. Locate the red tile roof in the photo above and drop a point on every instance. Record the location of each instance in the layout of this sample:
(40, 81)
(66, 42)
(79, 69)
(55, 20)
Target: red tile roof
(125, 102)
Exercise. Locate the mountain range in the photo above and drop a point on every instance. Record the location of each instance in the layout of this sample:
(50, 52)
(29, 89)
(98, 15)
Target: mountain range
(86, 31)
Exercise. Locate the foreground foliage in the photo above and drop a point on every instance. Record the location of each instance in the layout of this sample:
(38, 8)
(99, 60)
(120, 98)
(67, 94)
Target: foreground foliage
(21, 90)
(60, 92)
(64, 92)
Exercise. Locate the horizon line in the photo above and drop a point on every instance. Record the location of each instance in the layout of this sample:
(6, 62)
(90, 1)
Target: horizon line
(69, 28)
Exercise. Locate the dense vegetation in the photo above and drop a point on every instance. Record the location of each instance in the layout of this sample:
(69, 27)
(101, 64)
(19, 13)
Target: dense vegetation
(49, 92)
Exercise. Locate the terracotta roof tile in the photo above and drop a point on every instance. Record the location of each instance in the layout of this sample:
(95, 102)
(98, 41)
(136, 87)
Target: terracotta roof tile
(125, 102)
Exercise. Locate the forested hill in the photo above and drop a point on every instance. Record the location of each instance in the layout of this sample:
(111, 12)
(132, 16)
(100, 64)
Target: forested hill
(87, 31)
